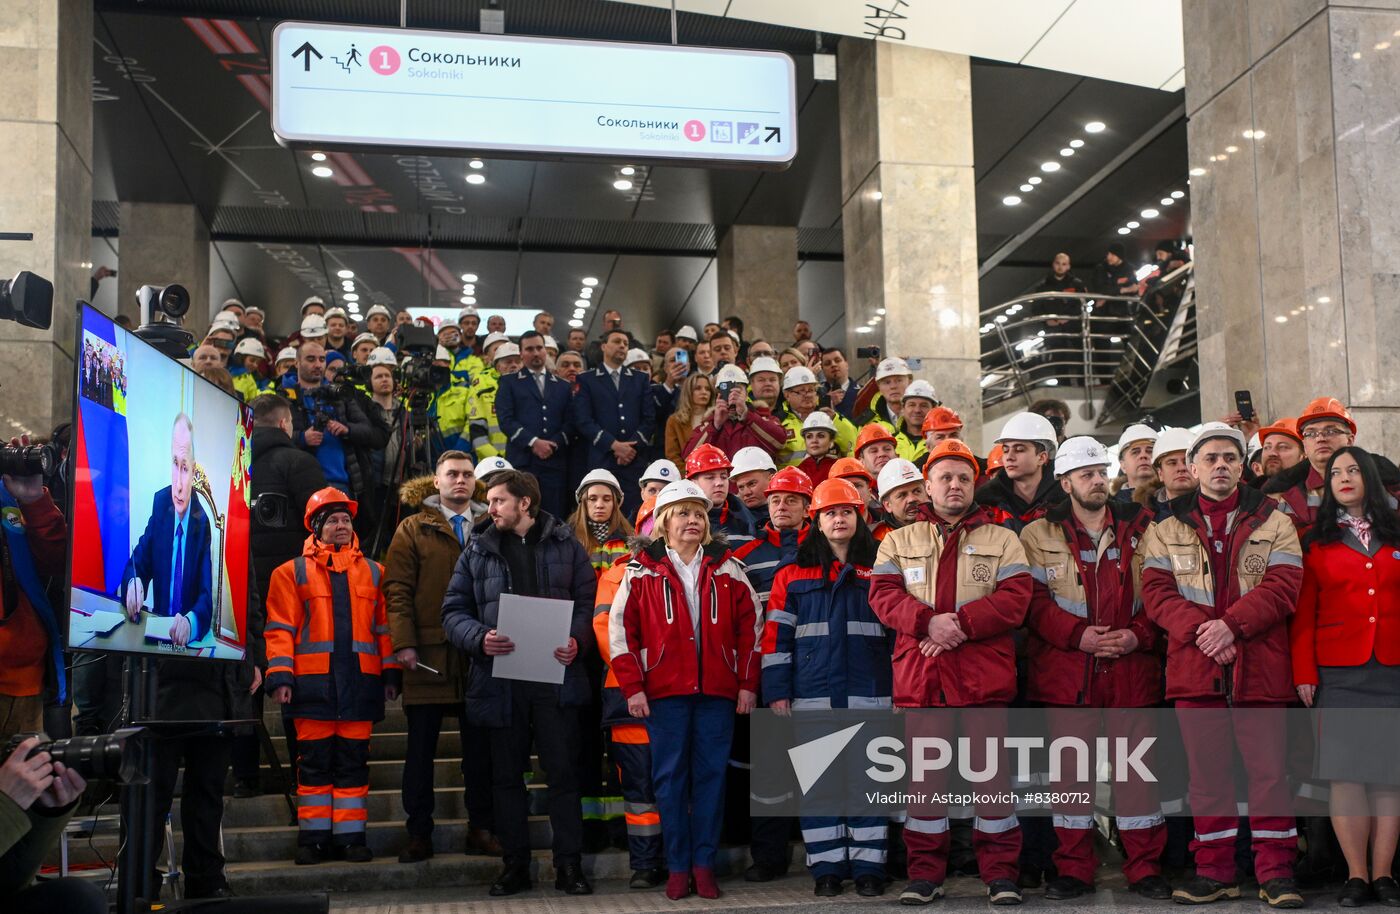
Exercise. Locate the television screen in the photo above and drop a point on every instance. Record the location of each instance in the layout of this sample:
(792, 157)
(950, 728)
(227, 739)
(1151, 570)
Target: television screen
(160, 503)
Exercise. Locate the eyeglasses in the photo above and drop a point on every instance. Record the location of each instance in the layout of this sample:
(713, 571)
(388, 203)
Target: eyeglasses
(1330, 431)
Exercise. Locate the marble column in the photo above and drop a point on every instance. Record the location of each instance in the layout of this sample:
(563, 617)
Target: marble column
(756, 270)
(909, 217)
(1294, 139)
(164, 243)
(46, 189)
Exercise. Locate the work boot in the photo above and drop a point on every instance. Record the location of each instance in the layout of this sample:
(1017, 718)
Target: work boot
(1203, 890)
(1066, 887)
(310, 855)
(1003, 892)
(648, 878)
(920, 891)
(358, 853)
(571, 881)
(481, 841)
(513, 879)
(870, 886)
(1154, 887)
(417, 850)
(828, 886)
(1281, 893)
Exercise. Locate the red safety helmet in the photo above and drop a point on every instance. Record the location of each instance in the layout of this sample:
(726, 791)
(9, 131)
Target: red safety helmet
(327, 498)
(1325, 408)
(849, 466)
(833, 493)
(790, 479)
(705, 459)
(941, 419)
(993, 459)
(870, 434)
(951, 447)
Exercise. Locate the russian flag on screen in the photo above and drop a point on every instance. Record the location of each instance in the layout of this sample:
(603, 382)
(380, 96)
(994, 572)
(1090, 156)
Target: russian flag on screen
(101, 492)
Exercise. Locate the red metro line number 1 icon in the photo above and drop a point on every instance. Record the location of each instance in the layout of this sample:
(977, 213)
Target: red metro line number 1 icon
(384, 60)
(694, 131)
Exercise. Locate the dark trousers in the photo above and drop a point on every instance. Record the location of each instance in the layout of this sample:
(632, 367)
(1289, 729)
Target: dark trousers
(206, 761)
(536, 715)
(424, 728)
(58, 896)
(332, 781)
(247, 747)
(767, 836)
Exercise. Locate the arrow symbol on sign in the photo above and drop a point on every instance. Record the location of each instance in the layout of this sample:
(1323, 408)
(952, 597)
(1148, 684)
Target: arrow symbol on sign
(774, 134)
(307, 50)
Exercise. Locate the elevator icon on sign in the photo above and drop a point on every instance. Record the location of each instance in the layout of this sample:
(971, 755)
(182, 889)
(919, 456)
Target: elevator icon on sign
(721, 132)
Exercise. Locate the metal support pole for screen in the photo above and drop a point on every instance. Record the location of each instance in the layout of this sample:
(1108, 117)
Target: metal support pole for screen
(673, 22)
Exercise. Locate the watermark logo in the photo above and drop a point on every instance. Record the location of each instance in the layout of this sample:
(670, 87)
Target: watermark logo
(811, 760)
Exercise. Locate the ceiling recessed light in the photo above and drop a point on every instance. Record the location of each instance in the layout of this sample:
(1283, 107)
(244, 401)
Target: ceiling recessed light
(1324, 300)
(627, 170)
(866, 329)
(1094, 127)
(590, 280)
(469, 288)
(880, 311)
(579, 313)
(1011, 200)
(622, 184)
(468, 277)
(1049, 166)
(1281, 319)
(1232, 149)
(351, 297)
(1355, 55)
(1034, 179)
(1124, 230)
(1149, 213)
(476, 164)
(575, 323)
(1259, 134)
(1027, 188)
(1198, 171)
(318, 157)
(346, 274)
(877, 195)
(322, 171)
(1115, 339)
(467, 300)
(1001, 318)
(1066, 152)
(581, 303)
(1178, 194)
(1076, 144)
(1133, 224)
(476, 179)
(1052, 382)
(1167, 201)
(586, 292)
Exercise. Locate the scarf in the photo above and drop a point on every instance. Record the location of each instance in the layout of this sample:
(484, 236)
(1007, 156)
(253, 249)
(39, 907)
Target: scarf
(1360, 527)
(601, 530)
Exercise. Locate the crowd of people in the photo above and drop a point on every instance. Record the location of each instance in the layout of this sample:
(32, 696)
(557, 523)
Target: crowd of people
(741, 523)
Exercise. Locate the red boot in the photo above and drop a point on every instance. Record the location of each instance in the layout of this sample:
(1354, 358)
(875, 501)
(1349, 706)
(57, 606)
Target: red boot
(705, 885)
(677, 886)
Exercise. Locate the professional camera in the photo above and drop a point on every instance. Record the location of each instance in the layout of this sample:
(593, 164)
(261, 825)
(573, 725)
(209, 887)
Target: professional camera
(34, 460)
(161, 308)
(868, 352)
(354, 373)
(27, 299)
(419, 374)
(119, 756)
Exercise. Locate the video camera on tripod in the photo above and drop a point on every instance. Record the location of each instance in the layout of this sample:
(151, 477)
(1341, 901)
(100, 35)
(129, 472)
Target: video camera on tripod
(417, 375)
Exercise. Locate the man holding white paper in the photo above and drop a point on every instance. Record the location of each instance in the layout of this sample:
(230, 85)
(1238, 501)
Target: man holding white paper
(530, 554)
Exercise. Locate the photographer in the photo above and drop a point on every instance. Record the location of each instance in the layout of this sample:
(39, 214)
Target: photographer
(31, 549)
(37, 797)
(331, 426)
(735, 422)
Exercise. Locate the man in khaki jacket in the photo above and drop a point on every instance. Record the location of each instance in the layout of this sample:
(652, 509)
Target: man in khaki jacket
(417, 570)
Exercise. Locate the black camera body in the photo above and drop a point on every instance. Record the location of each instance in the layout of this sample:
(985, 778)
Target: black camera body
(119, 756)
(323, 405)
(868, 352)
(34, 460)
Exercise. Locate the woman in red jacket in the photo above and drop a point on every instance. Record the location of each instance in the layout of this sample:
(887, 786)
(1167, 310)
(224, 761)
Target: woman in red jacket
(683, 631)
(1346, 655)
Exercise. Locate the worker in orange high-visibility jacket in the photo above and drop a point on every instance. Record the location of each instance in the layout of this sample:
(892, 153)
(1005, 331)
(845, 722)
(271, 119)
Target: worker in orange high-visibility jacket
(629, 746)
(330, 659)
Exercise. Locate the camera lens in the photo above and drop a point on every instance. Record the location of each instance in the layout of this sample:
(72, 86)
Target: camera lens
(34, 460)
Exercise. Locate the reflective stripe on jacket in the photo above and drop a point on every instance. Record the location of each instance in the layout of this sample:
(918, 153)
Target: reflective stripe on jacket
(763, 555)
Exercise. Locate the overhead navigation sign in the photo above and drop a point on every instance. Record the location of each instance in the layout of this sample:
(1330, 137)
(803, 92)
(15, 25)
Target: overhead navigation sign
(398, 89)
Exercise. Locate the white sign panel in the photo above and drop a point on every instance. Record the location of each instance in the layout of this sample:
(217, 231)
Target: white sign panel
(336, 85)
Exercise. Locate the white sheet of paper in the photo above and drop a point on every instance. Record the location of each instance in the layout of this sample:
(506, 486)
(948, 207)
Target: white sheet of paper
(158, 627)
(538, 627)
(101, 622)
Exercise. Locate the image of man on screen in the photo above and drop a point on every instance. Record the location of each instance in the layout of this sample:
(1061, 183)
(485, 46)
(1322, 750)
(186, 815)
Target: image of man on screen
(173, 555)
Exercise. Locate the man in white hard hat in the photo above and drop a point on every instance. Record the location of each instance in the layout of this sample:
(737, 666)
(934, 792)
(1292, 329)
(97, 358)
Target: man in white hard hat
(1135, 459)
(748, 478)
(687, 339)
(919, 399)
(221, 336)
(1091, 648)
(1221, 576)
(467, 357)
(658, 475)
(802, 401)
(362, 346)
(902, 491)
(246, 367)
(253, 317)
(286, 361)
(638, 360)
(1024, 488)
(765, 381)
(1172, 469)
(892, 376)
(313, 304)
(313, 327)
(379, 320)
(735, 422)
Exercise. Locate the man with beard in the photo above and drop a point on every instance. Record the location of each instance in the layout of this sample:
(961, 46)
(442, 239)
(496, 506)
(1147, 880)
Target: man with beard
(1280, 448)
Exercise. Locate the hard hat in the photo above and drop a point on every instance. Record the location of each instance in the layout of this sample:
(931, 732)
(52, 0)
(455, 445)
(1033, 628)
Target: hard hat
(1283, 426)
(898, 472)
(504, 351)
(468, 311)
(250, 346)
(731, 374)
(952, 448)
(551, 343)
(445, 325)
(832, 493)
(379, 309)
(819, 421)
(1326, 408)
(336, 312)
(365, 338)
(598, 476)
(1135, 432)
(492, 339)
(313, 327)
(287, 353)
(329, 497)
(749, 459)
(492, 465)
(644, 512)
(940, 419)
(1169, 441)
(661, 470)
(1215, 430)
(1254, 447)
(312, 300)
(705, 459)
(231, 325)
(1079, 452)
(235, 303)
(993, 459)
(892, 367)
(688, 333)
(921, 389)
(764, 363)
(249, 309)
(634, 356)
(790, 479)
(442, 355)
(382, 355)
(1029, 427)
(228, 316)
(870, 434)
(679, 491)
(797, 376)
(849, 466)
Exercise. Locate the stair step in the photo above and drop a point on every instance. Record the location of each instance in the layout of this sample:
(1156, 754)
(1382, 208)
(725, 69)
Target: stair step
(383, 806)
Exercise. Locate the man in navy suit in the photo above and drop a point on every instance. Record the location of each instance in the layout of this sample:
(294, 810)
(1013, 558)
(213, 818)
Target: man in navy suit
(532, 409)
(614, 413)
(173, 554)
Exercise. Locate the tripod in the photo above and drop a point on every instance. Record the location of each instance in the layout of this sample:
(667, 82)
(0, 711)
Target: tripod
(419, 442)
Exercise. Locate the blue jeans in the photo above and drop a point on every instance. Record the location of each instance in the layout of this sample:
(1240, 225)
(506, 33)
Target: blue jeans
(690, 737)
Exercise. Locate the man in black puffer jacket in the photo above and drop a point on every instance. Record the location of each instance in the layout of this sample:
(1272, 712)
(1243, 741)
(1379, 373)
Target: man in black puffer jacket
(526, 552)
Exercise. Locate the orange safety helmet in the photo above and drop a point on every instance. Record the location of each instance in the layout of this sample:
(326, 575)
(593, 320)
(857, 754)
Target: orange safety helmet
(849, 466)
(1285, 426)
(1324, 408)
(833, 493)
(951, 447)
(326, 498)
(705, 459)
(790, 479)
(941, 419)
(993, 459)
(870, 434)
(644, 512)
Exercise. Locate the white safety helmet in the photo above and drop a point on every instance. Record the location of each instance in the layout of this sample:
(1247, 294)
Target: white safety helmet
(678, 491)
(227, 316)
(599, 476)
(504, 351)
(312, 300)
(551, 343)
(492, 465)
(1079, 452)
(492, 338)
(1136, 432)
(365, 338)
(250, 346)
(688, 333)
(764, 363)
(1215, 430)
(1170, 440)
(921, 389)
(1029, 427)
(287, 353)
(819, 420)
(898, 472)
(442, 355)
(661, 470)
(749, 459)
(731, 374)
(892, 367)
(336, 312)
(313, 327)
(382, 355)
(230, 325)
(234, 303)
(1255, 446)
(379, 309)
(468, 311)
(634, 356)
(797, 376)
(250, 309)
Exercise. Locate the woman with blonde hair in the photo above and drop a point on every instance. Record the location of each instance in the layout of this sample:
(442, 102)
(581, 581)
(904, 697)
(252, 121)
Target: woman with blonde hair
(697, 393)
(598, 521)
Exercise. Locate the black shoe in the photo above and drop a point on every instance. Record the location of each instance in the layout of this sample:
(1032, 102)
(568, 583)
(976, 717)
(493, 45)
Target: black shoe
(648, 879)
(570, 880)
(417, 850)
(1155, 887)
(1281, 893)
(1203, 890)
(1387, 891)
(1067, 887)
(1003, 891)
(920, 891)
(761, 872)
(828, 886)
(358, 853)
(513, 879)
(870, 885)
(1355, 893)
(246, 789)
(1030, 876)
(310, 855)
